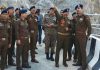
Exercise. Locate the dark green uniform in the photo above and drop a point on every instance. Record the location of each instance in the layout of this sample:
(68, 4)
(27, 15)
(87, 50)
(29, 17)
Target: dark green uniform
(63, 38)
(11, 49)
(82, 31)
(23, 47)
(63, 41)
(5, 39)
(33, 28)
(72, 42)
(50, 33)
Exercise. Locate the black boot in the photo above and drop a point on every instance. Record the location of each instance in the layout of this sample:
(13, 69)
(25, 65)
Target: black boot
(56, 65)
(12, 64)
(51, 57)
(26, 66)
(77, 64)
(65, 64)
(19, 68)
(47, 56)
(34, 60)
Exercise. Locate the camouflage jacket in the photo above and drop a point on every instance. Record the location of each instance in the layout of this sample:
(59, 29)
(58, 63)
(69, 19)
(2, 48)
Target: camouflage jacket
(49, 20)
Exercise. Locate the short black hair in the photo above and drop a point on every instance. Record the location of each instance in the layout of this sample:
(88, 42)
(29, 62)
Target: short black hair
(66, 10)
(38, 11)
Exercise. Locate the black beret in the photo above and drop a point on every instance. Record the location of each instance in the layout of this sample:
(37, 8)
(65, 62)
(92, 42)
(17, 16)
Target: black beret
(32, 7)
(51, 8)
(79, 6)
(23, 11)
(4, 11)
(66, 10)
(10, 8)
(17, 9)
(61, 11)
(74, 13)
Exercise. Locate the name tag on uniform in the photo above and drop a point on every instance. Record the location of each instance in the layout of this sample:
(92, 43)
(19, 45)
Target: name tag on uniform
(8, 26)
(3, 39)
(1, 24)
(66, 28)
(32, 31)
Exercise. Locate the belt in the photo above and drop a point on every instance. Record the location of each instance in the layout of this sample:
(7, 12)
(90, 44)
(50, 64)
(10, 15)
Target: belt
(78, 32)
(25, 37)
(63, 33)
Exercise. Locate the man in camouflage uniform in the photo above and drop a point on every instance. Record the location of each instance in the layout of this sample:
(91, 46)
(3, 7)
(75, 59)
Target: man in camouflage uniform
(33, 28)
(82, 32)
(63, 36)
(5, 38)
(17, 13)
(49, 25)
(22, 41)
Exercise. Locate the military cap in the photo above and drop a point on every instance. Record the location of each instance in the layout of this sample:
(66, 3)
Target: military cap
(10, 8)
(4, 11)
(79, 6)
(23, 11)
(66, 10)
(17, 9)
(32, 7)
(61, 11)
(74, 13)
(51, 8)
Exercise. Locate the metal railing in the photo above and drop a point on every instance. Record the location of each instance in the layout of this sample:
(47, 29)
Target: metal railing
(95, 22)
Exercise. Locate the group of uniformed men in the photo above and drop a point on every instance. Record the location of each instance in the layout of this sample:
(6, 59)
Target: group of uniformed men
(60, 33)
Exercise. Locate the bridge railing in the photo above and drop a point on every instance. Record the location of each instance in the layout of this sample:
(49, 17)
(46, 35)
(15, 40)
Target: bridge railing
(93, 52)
(95, 22)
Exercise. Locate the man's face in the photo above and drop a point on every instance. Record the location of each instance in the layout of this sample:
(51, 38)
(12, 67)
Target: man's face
(62, 21)
(17, 11)
(11, 11)
(52, 12)
(79, 10)
(33, 11)
(66, 14)
(24, 15)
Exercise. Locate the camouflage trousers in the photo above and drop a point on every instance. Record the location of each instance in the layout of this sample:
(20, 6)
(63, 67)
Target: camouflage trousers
(50, 42)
